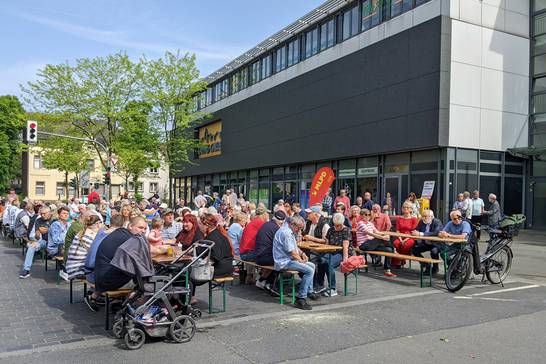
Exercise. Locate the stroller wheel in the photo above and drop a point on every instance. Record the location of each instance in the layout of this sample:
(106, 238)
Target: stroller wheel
(134, 339)
(196, 313)
(182, 329)
(117, 329)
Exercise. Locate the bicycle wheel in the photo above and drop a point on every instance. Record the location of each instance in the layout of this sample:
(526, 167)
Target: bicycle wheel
(458, 271)
(498, 266)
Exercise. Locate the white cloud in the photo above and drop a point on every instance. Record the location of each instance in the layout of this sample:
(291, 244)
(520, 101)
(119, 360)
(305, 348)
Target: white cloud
(122, 39)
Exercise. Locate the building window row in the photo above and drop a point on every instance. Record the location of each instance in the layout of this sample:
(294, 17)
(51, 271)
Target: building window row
(337, 28)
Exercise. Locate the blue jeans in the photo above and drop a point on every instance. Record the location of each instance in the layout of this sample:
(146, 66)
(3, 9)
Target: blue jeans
(308, 270)
(328, 269)
(29, 257)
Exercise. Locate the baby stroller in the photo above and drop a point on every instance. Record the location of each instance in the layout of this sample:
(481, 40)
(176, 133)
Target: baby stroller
(161, 315)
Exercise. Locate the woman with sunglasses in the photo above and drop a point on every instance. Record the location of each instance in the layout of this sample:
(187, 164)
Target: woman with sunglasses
(369, 238)
(405, 224)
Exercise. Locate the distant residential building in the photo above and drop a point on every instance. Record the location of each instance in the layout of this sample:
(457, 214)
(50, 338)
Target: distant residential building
(41, 183)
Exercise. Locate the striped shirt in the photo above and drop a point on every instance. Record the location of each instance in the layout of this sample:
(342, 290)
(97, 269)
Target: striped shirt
(75, 264)
(363, 231)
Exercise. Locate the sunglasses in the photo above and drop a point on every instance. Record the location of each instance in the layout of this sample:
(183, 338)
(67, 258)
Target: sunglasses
(367, 214)
(456, 218)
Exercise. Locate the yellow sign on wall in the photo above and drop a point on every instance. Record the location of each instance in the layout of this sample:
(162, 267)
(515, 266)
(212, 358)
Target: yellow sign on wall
(210, 137)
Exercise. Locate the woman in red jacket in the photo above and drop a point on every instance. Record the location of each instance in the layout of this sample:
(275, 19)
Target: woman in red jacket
(405, 224)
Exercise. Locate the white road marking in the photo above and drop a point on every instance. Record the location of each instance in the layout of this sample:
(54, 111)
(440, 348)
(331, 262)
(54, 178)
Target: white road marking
(497, 299)
(506, 290)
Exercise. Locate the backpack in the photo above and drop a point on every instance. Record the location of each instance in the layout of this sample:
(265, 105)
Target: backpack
(20, 230)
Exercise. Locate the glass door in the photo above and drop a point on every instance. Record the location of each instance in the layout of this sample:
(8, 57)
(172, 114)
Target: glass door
(539, 205)
(392, 185)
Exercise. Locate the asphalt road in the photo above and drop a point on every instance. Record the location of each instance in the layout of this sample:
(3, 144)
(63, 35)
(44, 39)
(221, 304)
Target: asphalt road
(481, 323)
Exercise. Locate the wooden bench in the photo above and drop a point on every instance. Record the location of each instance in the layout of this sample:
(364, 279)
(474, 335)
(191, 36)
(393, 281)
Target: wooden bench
(282, 279)
(119, 293)
(406, 257)
(214, 285)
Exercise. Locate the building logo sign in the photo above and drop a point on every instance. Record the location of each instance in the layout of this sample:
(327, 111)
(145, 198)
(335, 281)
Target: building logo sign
(210, 137)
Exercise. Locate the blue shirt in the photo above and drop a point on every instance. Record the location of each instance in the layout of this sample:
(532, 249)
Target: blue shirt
(235, 232)
(56, 234)
(463, 227)
(284, 243)
(368, 205)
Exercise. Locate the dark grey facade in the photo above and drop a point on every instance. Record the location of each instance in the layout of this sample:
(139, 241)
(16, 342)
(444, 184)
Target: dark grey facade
(381, 99)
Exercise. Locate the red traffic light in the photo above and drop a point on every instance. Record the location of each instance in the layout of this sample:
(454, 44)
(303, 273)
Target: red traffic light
(32, 125)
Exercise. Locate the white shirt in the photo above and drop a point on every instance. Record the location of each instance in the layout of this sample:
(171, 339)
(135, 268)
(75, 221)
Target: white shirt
(325, 229)
(468, 208)
(477, 206)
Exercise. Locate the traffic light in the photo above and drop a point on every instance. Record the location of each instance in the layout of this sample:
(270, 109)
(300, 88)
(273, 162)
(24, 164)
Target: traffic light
(32, 132)
(72, 183)
(107, 176)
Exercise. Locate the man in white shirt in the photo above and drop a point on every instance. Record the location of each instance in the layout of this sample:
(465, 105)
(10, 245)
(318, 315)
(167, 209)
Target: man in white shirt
(467, 205)
(200, 200)
(477, 210)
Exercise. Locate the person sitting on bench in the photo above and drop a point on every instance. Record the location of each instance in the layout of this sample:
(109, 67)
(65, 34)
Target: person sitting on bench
(369, 238)
(287, 255)
(264, 249)
(428, 226)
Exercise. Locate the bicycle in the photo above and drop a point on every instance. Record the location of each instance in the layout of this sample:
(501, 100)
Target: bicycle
(494, 264)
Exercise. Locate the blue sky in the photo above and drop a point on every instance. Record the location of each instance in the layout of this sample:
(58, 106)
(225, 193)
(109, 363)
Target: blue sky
(34, 33)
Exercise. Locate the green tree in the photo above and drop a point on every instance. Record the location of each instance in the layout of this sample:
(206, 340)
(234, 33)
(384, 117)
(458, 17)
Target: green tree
(170, 84)
(90, 97)
(12, 118)
(137, 145)
(66, 156)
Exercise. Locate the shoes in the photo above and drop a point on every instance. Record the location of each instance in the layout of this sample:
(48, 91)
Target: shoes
(260, 284)
(389, 274)
(314, 296)
(302, 304)
(332, 292)
(25, 274)
(91, 303)
(64, 275)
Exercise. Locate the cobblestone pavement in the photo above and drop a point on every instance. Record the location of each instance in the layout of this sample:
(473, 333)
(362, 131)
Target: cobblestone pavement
(37, 311)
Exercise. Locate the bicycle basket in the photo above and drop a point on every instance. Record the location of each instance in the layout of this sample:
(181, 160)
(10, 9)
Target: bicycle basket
(510, 225)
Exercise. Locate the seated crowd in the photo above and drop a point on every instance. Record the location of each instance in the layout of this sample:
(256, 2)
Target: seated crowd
(90, 237)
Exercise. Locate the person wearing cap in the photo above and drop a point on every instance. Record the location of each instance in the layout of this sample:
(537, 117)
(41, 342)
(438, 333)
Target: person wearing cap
(316, 227)
(171, 228)
(248, 240)
(264, 249)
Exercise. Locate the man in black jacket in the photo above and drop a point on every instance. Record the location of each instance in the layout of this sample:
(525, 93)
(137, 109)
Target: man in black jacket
(428, 226)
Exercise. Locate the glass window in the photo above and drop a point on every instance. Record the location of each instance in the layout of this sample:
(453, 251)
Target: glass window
(425, 160)
(263, 193)
(539, 85)
(488, 184)
(40, 188)
(308, 171)
(243, 79)
(539, 103)
(278, 174)
(512, 169)
(255, 72)
(208, 98)
(540, 5)
(281, 59)
(396, 8)
(235, 83)
(346, 25)
(491, 156)
(354, 21)
(311, 43)
(396, 163)
(253, 190)
(154, 187)
(293, 52)
(370, 14)
(347, 168)
(367, 166)
(291, 173)
(420, 2)
(327, 32)
(540, 64)
(37, 162)
(539, 45)
(490, 167)
(60, 189)
(266, 66)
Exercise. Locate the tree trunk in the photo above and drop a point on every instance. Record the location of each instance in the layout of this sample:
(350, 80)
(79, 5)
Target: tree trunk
(77, 188)
(66, 185)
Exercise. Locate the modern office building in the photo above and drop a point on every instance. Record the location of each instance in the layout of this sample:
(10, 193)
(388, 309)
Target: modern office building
(389, 94)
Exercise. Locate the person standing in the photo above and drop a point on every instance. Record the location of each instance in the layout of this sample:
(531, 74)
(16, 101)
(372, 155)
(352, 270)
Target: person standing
(477, 210)
(327, 201)
(467, 205)
(494, 212)
(368, 202)
(342, 198)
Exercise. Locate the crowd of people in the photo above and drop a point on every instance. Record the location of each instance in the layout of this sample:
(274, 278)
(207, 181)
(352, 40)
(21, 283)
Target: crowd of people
(91, 236)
